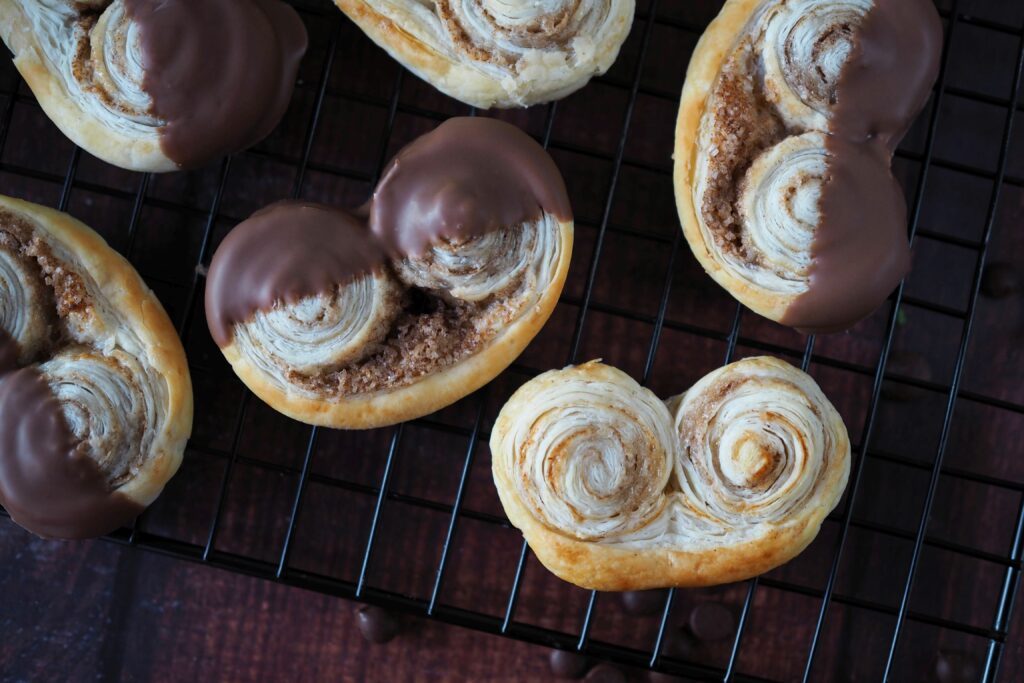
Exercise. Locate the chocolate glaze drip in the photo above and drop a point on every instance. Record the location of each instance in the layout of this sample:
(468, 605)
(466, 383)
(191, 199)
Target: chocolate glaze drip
(220, 72)
(468, 177)
(47, 483)
(860, 251)
(285, 252)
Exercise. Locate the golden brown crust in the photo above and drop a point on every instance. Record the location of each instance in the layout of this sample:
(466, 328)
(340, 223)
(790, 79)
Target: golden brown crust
(609, 568)
(712, 51)
(125, 291)
(471, 85)
(108, 144)
(695, 558)
(423, 396)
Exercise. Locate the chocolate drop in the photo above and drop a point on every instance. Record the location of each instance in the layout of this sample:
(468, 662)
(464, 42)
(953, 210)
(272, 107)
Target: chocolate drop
(711, 621)
(605, 673)
(645, 603)
(565, 664)
(377, 625)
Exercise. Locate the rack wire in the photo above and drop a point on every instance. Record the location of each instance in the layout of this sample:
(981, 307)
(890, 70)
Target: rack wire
(390, 100)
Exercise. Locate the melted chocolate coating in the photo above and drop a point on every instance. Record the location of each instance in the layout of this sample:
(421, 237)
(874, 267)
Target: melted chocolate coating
(47, 484)
(220, 72)
(469, 176)
(285, 252)
(466, 178)
(889, 76)
(860, 250)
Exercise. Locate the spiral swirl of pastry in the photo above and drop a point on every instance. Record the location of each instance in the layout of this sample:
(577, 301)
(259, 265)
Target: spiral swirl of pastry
(498, 53)
(486, 265)
(117, 72)
(581, 460)
(506, 30)
(761, 445)
(806, 44)
(111, 406)
(778, 201)
(590, 452)
(26, 322)
(323, 332)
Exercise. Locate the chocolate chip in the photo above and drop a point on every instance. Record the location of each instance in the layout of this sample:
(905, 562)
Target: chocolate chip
(678, 644)
(1000, 280)
(711, 621)
(906, 364)
(605, 673)
(376, 625)
(645, 603)
(565, 664)
(956, 666)
(658, 677)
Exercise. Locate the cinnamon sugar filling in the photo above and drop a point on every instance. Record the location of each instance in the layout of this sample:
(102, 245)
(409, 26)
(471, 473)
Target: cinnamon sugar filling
(744, 124)
(430, 334)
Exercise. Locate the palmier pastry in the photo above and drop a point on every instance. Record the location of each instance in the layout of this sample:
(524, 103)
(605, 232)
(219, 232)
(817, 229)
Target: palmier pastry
(95, 396)
(157, 85)
(616, 490)
(368, 318)
(498, 54)
(789, 117)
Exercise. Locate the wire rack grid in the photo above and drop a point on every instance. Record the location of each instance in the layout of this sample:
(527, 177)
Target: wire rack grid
(199, 520)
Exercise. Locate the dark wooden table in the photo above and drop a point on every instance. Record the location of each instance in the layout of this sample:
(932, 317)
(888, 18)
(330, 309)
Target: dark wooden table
(96, 612)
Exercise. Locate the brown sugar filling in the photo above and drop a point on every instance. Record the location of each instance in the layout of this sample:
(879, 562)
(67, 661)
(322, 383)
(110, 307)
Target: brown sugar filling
(70, 296)
(744, 124)
(429, 335)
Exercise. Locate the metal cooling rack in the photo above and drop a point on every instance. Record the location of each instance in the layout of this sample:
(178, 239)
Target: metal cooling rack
(201, 545)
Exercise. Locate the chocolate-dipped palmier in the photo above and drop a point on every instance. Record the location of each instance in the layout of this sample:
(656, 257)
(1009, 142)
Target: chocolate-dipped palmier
(158, 85)
(95, 396)
(789, 117)
(367, 318)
